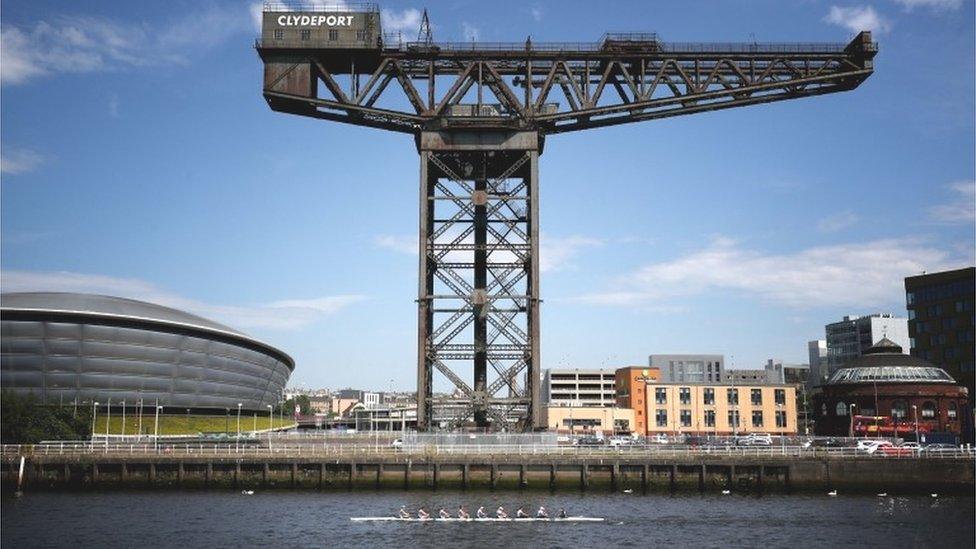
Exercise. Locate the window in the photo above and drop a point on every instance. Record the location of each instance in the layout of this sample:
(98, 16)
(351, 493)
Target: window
(952, 411)
(911, 314)
(757, 419)
(928, 409)
(781, 419)
(361, 35)
(919, 327)
(780, 395)
(686, 418)
(734, 419)
(333, 35)
(661, 418)
(732, 395)
(899, 409)
(841, 409)
(948, 323)
(910, 298)
(661, 395)
(709, 418)
(823, 410)
(709, 396)
(756, 396)
(279, 34)
(684, 395)
(306, 34)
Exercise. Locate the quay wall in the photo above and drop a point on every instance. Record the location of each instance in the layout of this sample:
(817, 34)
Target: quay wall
(403, 471)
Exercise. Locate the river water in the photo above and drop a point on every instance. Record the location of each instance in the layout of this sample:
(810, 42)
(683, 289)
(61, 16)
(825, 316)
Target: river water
(321, 519)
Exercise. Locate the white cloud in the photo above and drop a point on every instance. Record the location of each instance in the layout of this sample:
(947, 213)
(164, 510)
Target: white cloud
(860, 275)
(536, 12)
(290, 314)
(14, 160)
(80, 44)
(962, 209)
(398, 243)
(938, 5)
(113, 105)
(556, 253)
(470, 32)
(837, 222)
(858, 18)
(406, 22)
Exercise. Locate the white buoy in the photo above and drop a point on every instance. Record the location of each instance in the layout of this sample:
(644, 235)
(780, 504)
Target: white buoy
(628, 491)
(832, 493)
(883, 495)
(247, 492)
(935, 495)
(726, 492)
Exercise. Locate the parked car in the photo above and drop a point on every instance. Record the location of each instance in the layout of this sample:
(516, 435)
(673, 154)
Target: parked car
(940, 448)
(871, 446)
(619, 440)
(588, 441)
(397, 444)
(755, 439)
(659, 438)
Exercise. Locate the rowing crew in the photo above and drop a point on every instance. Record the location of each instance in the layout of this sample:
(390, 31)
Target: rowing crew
(422, 513)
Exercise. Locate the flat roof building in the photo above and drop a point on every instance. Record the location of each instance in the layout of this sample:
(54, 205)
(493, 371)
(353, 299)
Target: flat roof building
(579, 387)
(720, 409)
(689, 368)
(589, 420)
(850, 337)
(941, 321)
(632, 392)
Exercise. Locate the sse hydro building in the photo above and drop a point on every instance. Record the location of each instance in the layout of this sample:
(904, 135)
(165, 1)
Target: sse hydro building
(73, 348)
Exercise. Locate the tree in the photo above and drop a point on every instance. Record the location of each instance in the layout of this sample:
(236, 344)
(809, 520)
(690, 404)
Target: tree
(25, 421)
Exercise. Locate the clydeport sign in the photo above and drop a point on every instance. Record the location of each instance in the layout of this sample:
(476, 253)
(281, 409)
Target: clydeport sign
(315, 20)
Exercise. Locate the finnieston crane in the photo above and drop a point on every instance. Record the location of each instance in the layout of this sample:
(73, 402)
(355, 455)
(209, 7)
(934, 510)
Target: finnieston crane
(479, 114)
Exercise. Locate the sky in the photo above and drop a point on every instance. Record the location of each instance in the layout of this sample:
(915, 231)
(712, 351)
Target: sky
(139, 159)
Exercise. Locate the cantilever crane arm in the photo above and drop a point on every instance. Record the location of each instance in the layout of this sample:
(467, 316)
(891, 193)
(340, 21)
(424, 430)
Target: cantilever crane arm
(552, 89)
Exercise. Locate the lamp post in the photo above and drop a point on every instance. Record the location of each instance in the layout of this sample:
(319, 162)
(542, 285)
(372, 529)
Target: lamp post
(123, 420)
(94, 415)
(270, 424)
(237, 441)
(851, 412)
(156, 427)
(108, 420)
(915, 412)
(140, 418)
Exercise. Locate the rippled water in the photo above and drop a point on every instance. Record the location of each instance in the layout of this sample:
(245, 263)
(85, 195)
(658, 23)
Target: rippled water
(312, 519)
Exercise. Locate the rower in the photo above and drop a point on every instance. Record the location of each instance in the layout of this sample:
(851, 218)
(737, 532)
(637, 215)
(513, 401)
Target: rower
(422, 514)
(541, 513)
(481, 513)
(444, 514)
(500, 512)
(462, 514)
(521, 514)
(562, 513)
(404, 514)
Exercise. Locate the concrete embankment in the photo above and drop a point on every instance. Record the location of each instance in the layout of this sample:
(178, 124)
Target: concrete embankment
(406, 471)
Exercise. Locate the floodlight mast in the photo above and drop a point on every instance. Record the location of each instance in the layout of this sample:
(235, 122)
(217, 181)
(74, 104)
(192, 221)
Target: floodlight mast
(479, 114)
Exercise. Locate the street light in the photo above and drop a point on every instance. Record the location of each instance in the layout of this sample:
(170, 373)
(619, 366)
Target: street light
(237, 443)
(123, 420)
(270, 423)
(108, 420)
(94, 415)
(851, 412)
(156, 427)
(915, 412)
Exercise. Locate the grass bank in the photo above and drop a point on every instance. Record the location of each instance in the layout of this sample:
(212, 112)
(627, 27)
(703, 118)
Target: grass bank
(178, 424)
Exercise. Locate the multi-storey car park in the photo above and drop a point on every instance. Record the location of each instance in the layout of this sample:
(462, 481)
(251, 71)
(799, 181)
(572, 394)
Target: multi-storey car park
(479, 114)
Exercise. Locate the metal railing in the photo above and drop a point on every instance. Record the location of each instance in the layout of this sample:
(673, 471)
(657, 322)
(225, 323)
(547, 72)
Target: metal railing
(308, 6)
(85, 449)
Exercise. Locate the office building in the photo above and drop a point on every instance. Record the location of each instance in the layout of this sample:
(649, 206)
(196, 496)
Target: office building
(720, 409)
(595, 420)
(778, 371)
(743, 376)
(850, 337)
(689, 368)
(941, 321)
(579, 387)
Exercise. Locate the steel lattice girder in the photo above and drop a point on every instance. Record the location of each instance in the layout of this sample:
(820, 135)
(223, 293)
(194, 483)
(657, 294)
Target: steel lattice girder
(478, 202)
(552, 90)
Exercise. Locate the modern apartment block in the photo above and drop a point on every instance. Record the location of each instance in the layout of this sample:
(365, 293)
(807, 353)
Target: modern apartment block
(742, 377)
(778, 371)
(941, 321)
(720, 409)
(579, 387)
(847, 339)
(689, 368)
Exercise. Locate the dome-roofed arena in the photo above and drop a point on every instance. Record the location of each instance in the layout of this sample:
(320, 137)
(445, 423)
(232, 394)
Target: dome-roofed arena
(73, 348)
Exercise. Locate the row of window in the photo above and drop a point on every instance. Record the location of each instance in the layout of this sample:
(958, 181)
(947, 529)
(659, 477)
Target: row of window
(939, 292)
(899, 410)
(661, 418)
(306, 34)
(708, 396)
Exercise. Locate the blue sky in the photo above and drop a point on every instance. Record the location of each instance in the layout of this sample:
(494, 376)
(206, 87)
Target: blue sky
(139, 159)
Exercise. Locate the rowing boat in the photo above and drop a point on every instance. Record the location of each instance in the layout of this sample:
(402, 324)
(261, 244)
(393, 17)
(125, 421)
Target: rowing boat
(452, 519)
